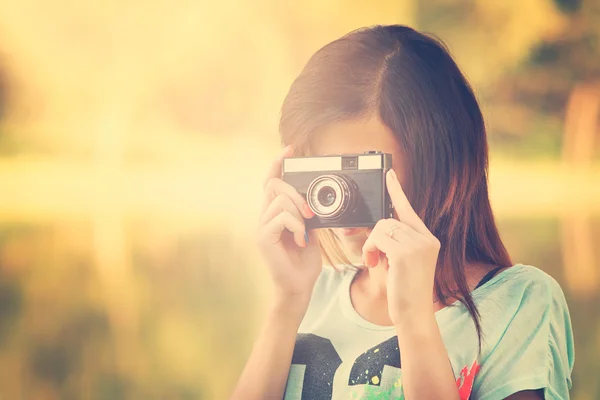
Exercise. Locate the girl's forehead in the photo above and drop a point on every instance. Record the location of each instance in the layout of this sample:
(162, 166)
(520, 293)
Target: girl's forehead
(354, 136)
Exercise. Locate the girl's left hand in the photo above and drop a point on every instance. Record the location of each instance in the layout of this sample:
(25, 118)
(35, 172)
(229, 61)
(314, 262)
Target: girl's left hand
(411, 251)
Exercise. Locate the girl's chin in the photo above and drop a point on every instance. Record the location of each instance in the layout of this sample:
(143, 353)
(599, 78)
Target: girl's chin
(352, 241)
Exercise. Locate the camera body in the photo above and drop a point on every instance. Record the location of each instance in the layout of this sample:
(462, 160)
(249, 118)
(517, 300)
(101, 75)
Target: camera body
(343, 191)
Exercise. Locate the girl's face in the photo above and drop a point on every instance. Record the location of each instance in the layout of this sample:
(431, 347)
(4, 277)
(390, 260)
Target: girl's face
(357, 136)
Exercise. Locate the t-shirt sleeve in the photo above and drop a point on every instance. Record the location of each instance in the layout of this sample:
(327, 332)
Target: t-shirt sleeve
(535, 350)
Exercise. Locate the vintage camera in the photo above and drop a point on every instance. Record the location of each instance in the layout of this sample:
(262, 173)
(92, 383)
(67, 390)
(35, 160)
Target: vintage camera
(345, 190)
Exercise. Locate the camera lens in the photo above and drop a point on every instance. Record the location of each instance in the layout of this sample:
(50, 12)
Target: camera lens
(329, 196)
(326, 196)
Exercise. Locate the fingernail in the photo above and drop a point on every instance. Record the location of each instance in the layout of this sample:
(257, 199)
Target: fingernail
(308, 211)
(306, 237)
(373, 259)
(284, 152)
(393, 174)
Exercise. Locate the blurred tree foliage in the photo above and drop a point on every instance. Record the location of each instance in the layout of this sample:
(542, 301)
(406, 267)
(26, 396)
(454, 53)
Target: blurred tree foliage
(542, 49)
(539, 88)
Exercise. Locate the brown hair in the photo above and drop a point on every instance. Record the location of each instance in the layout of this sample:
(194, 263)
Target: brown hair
(411, 81)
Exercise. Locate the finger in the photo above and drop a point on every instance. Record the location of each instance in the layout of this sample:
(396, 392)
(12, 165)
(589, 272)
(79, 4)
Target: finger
(281, 203)
(284, 220)
(370, 249)
(276, 186)
(275, 168)
(378, 242)
(401, 204)
(404, 234)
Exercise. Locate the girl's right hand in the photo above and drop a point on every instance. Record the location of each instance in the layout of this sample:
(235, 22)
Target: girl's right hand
(294, 265)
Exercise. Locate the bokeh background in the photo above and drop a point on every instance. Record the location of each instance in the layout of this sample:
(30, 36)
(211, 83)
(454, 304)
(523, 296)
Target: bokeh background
(134, 136)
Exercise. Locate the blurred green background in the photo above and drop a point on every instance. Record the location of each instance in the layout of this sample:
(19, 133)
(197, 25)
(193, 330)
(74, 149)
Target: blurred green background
(134, 136)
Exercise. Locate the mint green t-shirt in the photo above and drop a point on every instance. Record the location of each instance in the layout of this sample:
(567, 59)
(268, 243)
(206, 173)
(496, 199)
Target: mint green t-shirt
(527, 342)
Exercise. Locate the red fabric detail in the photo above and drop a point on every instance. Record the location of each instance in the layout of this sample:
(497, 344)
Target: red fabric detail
(465, 380)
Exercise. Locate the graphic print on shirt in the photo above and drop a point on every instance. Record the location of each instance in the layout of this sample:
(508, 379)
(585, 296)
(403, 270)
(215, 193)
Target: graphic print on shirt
(376, 373)
(465, 380)
(321, 361)
(368, 367)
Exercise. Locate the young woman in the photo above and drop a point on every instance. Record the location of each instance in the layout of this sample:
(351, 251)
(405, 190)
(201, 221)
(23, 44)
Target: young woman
(425, 305)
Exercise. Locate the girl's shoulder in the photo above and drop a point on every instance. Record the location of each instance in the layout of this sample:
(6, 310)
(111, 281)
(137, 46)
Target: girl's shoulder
(521, 284)
(527, 334)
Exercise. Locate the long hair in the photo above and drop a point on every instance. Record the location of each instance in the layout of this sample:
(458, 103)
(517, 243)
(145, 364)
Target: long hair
(411, 82)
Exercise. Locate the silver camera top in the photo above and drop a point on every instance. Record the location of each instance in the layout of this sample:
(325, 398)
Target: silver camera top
(338, 162)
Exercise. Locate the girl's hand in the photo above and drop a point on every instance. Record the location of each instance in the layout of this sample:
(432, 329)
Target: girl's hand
(294, 264)
(411, 252)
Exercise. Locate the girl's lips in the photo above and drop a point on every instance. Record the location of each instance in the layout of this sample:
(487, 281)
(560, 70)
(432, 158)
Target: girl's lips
(351, 231)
